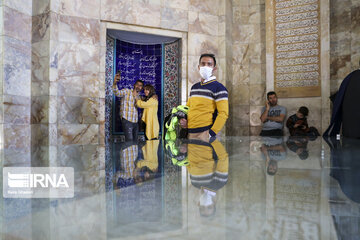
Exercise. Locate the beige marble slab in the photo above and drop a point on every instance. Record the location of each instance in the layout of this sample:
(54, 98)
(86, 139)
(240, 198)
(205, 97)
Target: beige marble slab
(16, 156)
(193, 72)
(201, 43)
(77, 110)
(81, 157)
(257, 93)
(17, 136)
(39, 109)
(41, 27)
(79, 8)
(40, 49)
(147, 13)
(40, 69)
(23, 6)
(17, 24)
(241, 74)
(175, 19)
(204, 6)
(78, 57)
(179, 4)
(117, 11)
(16, 60)
(16, 109)
(79, 30)
(39, 138)
(40, 6)
(78, 134)
(1, 115)
(82, 84)
(203, 23)
(257, 74)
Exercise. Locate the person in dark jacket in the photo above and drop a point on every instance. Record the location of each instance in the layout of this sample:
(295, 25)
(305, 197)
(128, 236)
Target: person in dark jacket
(298, 126)
(298, 145)
(297, 123)
(346, 115)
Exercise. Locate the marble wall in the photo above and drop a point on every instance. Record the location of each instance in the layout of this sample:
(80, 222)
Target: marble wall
(53, 69)
(48, 58)
(66, 76)
(247, 84)
(15, 94)
(344, 40)
(15, 80)
(79, 48)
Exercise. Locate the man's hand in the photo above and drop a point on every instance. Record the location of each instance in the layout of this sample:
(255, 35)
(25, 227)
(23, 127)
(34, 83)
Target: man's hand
(183, 123)
(264, 115)
(136, 94)
(277, 119)
(155, 97)
(267, 105)
(117, 78)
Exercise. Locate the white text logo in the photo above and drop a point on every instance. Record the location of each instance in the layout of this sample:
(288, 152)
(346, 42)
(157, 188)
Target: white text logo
(38, 182)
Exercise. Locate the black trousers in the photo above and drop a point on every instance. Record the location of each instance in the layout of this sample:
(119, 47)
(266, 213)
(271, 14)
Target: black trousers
(131, 130)
(274, 132)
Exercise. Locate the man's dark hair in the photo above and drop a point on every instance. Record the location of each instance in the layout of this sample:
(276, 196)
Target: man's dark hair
(272, 163)
(270, 93)
(208, 55)
(304, 154)
(140, 81)
(304, 111)
(202, 214)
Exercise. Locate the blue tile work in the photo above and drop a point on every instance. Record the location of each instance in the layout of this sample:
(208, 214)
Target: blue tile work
(171, 76)
(135, 62)
(110, 43)
(109, 72)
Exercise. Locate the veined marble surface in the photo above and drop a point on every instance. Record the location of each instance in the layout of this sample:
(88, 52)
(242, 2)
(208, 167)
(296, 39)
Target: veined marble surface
(235, 188)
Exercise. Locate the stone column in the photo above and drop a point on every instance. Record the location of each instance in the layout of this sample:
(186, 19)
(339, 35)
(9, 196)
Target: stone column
(248, 67)
(40, 83)
(15, 81)
(1, 85)
(76, 104)
(15, 92)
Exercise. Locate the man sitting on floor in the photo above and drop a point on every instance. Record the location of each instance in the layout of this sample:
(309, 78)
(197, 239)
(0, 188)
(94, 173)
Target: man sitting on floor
(272, 115)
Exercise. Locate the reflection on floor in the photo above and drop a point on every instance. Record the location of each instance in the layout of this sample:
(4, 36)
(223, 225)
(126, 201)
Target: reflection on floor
(234, 188)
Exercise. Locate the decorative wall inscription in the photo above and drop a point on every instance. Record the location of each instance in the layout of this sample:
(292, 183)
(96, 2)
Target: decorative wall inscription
(297, 48)
(139, 62)
(136, 62)
(297, 203)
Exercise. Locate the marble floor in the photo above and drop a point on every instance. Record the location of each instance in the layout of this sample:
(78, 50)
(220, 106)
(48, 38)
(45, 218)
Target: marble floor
(233, 188)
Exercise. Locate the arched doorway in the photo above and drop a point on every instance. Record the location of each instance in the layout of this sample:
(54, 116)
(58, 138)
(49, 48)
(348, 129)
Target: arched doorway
(152, 58)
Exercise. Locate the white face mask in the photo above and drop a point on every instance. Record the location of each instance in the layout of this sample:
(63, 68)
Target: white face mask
(206, 199)
(206, 72)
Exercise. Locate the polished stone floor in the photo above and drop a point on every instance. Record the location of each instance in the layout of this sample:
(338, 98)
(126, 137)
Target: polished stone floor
(233, 188)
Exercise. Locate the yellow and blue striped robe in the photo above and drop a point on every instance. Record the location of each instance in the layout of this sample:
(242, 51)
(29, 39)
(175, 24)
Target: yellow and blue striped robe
(208, 164)
(208, 107)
